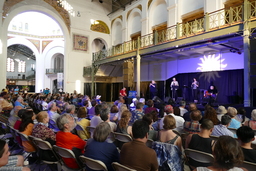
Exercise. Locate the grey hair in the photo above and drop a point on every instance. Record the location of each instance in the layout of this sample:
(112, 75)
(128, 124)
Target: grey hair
(70, 108)
(20, 98)
(253, 115)
(50, 105)
(62, 120)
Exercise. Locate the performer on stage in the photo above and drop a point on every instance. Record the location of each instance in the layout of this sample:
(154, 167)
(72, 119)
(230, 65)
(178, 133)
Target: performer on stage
(152, 89)
(123, 92)
(212, 94)
(194, 86)
(174, 87)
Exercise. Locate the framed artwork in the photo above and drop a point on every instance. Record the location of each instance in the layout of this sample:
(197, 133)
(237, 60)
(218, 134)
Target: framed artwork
(80, 42)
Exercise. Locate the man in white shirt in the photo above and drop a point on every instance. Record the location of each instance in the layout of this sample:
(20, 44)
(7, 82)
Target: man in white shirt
(182, 107)
(52, 111)
(179, 120)
(96, 120)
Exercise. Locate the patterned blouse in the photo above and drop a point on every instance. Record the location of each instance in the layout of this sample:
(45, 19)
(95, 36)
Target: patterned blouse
(43, 132)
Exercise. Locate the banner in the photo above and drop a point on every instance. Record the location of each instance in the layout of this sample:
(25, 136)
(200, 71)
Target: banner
(59, 80)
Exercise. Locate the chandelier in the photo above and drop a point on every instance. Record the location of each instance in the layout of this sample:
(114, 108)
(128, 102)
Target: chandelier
(65, 5)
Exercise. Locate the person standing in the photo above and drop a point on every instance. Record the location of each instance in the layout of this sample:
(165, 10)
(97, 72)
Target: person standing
(194, 86)
(123, 92)
(174, 87)
(152, 89)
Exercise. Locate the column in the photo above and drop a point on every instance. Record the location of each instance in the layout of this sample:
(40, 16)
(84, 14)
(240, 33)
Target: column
(138, 59)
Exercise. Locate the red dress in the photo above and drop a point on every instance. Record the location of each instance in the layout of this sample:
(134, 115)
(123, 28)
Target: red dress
(69, 140)
(123, 93)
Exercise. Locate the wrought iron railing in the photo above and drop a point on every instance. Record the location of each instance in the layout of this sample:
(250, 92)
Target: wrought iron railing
(53, 70)
(210, 21)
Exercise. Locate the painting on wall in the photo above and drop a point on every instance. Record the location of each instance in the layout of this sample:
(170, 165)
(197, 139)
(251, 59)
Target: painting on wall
(80, 42)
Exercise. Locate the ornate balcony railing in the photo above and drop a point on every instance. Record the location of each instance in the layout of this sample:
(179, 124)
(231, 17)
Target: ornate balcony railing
(214, 20)
(53, 70)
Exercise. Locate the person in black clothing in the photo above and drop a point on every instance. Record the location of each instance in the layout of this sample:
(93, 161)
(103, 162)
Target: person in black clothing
(246, 135)
(152, 89)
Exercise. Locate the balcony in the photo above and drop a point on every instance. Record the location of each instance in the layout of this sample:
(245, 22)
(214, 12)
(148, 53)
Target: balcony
(50, 71)
(215, 24)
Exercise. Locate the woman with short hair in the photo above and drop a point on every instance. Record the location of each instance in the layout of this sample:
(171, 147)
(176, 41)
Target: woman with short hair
(82, 121)
(98, 149)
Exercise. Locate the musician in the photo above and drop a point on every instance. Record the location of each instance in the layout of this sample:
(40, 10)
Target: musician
(174, 87)
(194, 86)
(123, 92)
(212, 94)
(152, 89)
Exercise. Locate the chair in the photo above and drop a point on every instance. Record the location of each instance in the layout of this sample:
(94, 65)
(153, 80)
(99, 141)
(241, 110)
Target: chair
(44, 145)
(199, 156)
(215, 138)
(93, 164)
(119, 167)
(122, 137)
(66, 153)
(249, 165)
(90, 129)
(53, 125)
(233, 130)
(149, 143)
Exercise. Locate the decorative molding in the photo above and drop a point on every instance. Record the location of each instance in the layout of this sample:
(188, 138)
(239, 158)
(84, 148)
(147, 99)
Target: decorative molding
(121, 18)
(100, 27)
(129, 12)
(172, 6)
(35, 36)
(140, 7)
(36, 43)
(149, 3)
(45, 43)
(80, 42)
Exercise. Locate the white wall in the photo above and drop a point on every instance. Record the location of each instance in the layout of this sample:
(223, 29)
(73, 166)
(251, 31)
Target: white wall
(190, 5)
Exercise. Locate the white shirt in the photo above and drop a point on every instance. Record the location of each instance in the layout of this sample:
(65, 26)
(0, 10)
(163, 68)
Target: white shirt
(179, 122)
(183, 111)
(53, 115)
(95, 121)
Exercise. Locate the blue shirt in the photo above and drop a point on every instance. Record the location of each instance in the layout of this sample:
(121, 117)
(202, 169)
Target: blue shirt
(103, 151)
(220, 130)
(17, 103)
(235, 124)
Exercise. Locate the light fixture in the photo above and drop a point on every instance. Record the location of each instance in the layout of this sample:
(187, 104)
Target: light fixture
(78, 14)
(93, 22)
(65, 5)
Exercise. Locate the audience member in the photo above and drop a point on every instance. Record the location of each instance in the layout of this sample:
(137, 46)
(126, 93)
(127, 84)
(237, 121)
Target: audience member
(65, 139)
(26, 127)
(210, 113)
(201, 142)
(8, 162)
(193, 126)
(91, 111)
(220, 112)
(71, 109)
(152, 134)
(150, 107)
(133, 104)
(82, 115)
(167, 135)
(113, 113)
(44, 103)
(98, 149)
(52, 111)
(192, 107)
(96, 120)
(227, 155)
(232, 112)
(176, 111)
(136, 154)
(183, 110)
(252, 123)
(14, 115)
(105, 115)
(179, 120)
(137, 114)
(222, 128)
(123, 126)
(241, 115)
(20, 102)
(246, 135)
(4, 104)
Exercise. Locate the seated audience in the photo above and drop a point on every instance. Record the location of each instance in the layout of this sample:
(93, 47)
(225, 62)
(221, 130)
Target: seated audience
(137, 114)
(123, 126)
(179, 120)
(152, 134)
(4, 104)
(136, 154)
(113, 113)
(8, 162)
(44, 103)
(183, 110)
(222, 128)
(71, 109)
(121, 107)
(98, 149)
(150, 107)
(82, 115)
(133, 104)
(41, 129)
(20, 102)
(220, 112)
(91, 111)
(201, 142)
(14, 115)
(52, 111)
(26, 127)
(232, 112)
(227, 155)
(241, 115)
(192, 107)
(193, 126)
(167, 135)
(210, 113)
(246, 135)
(252, 122)
(105, 115)
(96, 120)
(65, 139)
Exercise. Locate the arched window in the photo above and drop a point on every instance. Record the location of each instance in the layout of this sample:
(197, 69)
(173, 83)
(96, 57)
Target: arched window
(21, 66)
(10, 65)
(58, 64)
